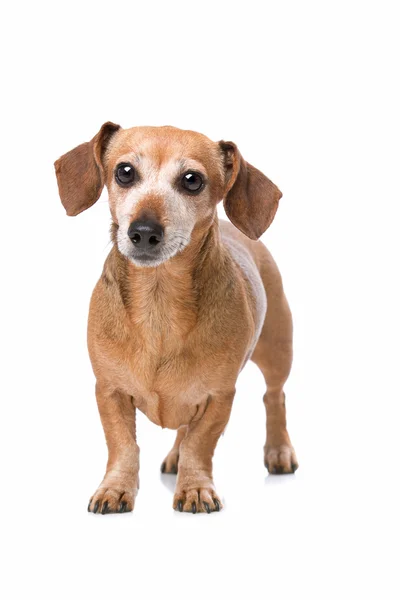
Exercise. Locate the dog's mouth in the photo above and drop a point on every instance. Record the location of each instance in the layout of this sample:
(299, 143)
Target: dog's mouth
(155, 256)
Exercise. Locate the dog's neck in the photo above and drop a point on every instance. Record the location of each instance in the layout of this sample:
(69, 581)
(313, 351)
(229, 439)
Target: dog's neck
(162, 301)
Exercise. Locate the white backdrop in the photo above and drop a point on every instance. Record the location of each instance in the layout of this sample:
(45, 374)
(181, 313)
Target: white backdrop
(309, 91)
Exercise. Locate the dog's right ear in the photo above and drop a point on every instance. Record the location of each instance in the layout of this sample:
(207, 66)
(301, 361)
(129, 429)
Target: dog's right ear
(80, 173)
(250, 198)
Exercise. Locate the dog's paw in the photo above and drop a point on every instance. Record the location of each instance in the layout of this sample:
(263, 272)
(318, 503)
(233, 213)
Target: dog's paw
(170, 464)
(280, 460)
(110, 500)
(199, 499)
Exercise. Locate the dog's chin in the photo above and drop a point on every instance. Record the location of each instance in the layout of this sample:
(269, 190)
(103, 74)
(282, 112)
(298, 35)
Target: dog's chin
(154, 258)
(146, 260)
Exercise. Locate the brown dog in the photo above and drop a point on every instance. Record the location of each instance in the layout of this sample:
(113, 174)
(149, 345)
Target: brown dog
(182, 302)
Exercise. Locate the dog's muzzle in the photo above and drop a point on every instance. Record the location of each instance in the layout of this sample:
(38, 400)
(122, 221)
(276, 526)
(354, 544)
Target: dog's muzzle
(146, 235)
(147, 242)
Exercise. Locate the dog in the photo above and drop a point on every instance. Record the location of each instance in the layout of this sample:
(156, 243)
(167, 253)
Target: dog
(183, 302)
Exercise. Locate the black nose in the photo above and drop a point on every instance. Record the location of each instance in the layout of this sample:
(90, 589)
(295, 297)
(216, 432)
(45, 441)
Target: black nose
(145, 234)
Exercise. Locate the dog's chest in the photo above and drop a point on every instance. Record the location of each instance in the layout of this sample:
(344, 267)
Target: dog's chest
(169, 390)
(172, 411)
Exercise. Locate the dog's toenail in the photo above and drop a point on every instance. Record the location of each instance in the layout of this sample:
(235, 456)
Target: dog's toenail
(104, 510)
(90, 502)
(96, 506)
(194, 508)
(207, 507)
(122, 507)
(216, 504)
(163, 467)
(180, 506)
(294, 467)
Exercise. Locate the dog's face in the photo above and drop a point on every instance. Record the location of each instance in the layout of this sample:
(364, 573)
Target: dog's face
(164, 184)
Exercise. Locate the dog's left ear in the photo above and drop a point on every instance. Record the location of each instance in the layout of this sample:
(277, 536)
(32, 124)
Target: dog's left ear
(80, 174)
(250, 198)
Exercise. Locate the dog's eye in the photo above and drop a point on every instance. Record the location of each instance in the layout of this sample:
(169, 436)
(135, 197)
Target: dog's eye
(192, 182)
(125, 174)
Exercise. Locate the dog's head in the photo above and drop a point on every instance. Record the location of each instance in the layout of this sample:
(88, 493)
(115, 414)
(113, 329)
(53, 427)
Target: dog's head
(163, 185)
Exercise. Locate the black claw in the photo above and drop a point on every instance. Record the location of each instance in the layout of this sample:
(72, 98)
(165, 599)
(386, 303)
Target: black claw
(207, 507)
(163, 467)
(174, 470)
(96, 507)
(274, 471)
(90, 502)
(104, 510)
(294, 467)
(122, 507)
(180, 506)
(194, 508)
(217, 506)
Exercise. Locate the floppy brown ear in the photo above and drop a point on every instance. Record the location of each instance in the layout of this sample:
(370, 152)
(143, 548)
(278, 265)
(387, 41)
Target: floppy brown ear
(80, 175)
(250, 198)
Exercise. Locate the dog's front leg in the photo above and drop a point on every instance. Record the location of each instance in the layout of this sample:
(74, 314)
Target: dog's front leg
(195, 491)
(118, 489)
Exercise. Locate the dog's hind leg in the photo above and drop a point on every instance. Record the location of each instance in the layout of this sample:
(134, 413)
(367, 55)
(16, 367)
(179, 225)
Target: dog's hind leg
(170, 464)
(273, 355)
